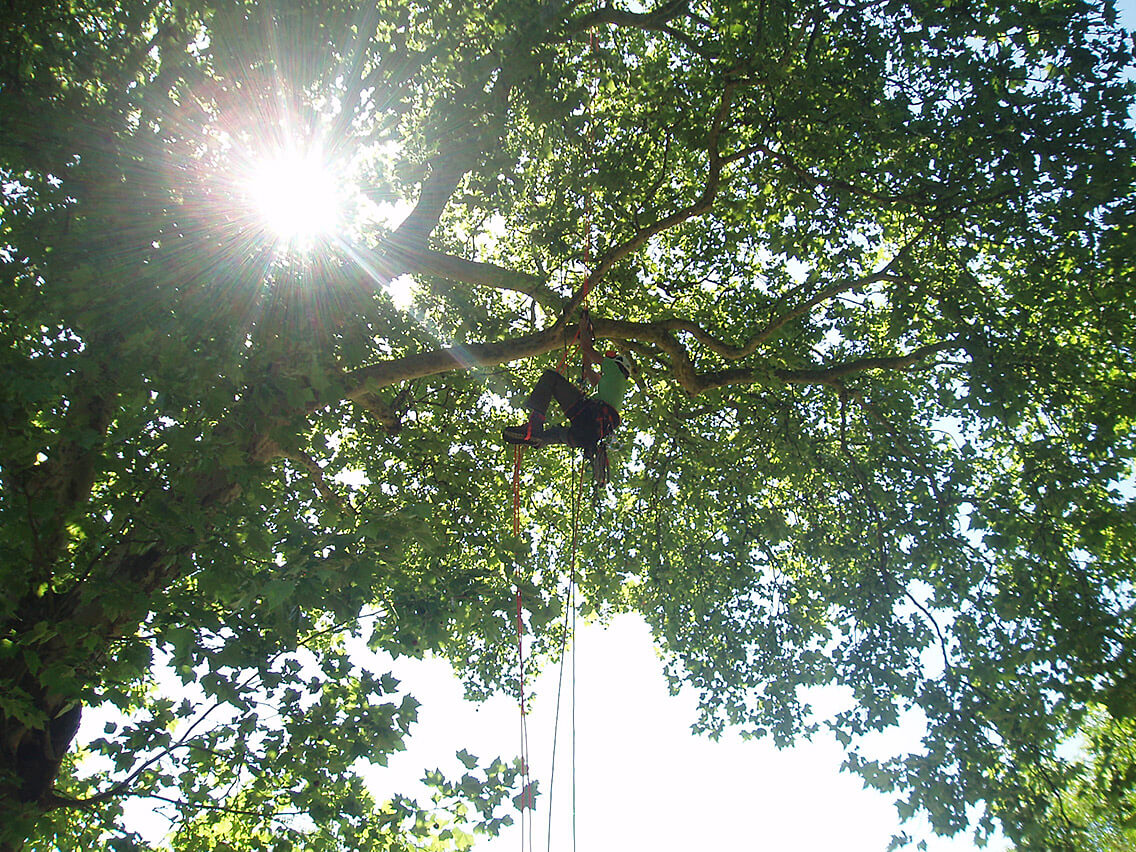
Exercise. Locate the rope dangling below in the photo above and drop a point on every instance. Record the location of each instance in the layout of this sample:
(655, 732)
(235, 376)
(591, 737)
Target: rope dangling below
(518, 456)
(526, 805)
(568, 642)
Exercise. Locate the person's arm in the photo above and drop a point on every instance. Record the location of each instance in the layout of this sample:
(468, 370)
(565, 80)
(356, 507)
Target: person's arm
(588, 349)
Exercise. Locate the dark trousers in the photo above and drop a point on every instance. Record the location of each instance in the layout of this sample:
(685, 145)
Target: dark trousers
(550, 386)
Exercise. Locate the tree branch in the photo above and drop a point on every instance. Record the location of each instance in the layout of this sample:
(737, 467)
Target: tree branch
(778, 322)
(424, 261)
(731, 352)
(352, 69)
(661, 335)
(608, 15)
(320, 481)
(701, 205)
(446, 172)
(814, 181)
(368, 379)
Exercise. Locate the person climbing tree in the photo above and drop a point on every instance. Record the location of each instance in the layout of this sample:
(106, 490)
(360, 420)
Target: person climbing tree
(590, 418)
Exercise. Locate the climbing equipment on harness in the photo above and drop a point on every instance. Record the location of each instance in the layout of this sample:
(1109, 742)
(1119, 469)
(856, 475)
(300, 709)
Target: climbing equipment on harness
(601, 421)
(598, 457)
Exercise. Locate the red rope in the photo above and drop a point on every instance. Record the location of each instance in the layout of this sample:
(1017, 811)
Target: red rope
(577, 489)
(526, 786)
(518, 455)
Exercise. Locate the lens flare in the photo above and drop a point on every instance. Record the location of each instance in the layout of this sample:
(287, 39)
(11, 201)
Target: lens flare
(296, 196)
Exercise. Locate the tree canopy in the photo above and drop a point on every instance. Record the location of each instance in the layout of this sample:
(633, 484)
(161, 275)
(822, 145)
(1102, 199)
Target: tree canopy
(873, 261)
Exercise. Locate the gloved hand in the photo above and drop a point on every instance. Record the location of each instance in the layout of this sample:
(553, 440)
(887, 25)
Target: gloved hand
(587, 330)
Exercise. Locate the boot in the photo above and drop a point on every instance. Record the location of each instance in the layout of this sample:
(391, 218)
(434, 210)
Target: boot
(530, 434)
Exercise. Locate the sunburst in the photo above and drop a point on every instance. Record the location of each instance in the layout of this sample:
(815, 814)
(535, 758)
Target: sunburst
(297, 197)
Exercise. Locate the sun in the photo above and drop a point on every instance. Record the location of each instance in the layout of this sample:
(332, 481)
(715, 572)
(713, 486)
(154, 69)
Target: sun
(297, 197)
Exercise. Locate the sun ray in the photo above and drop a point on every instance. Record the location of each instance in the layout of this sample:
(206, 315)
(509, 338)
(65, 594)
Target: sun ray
(296, 196)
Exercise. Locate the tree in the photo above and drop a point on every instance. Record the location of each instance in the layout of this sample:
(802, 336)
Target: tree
(1094, 810)
(872, 260)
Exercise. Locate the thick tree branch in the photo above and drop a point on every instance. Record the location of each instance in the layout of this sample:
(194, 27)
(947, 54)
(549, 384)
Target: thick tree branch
(660, 20)
(424, 261)
(65, 479)
(368, 379)
(661, 334)
(446, 172)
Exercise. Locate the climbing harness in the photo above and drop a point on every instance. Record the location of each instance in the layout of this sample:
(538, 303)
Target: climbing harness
(592, 420)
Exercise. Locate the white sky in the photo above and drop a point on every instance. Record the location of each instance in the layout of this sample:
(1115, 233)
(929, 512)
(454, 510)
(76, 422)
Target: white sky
(643, 781)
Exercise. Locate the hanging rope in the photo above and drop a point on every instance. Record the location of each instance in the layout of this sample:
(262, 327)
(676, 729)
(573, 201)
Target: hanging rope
(589, 280)
(577, 487)
(568, 640)
(577, 492)
(577, 501)
(576, 484)
(518, 456)
(526, 785)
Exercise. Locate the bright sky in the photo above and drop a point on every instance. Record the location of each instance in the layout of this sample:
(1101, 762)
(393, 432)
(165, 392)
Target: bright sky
(643, 781)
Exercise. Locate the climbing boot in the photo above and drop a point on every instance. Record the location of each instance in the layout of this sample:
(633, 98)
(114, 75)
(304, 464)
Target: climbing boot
(526, 434)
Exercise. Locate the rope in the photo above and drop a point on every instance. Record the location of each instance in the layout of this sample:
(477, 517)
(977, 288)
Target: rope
(518, 455)
(569, 639)
(526, 786)
(556, 720)
(577, 500)
(570, 599)
(586, 289)
(589, 281)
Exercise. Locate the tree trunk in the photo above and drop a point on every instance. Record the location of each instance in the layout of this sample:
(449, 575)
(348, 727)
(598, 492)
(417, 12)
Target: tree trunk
(29, 765)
